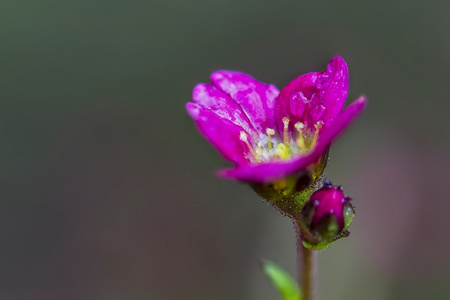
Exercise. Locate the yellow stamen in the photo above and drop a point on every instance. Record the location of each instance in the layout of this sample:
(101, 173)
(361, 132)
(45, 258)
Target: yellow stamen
(318, 126)
(269, 132)
(282, 151)
(300, 141)
(244, 138)
(285, 131)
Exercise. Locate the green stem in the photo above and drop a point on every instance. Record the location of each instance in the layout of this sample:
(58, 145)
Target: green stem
(306, 265)
(309, 274)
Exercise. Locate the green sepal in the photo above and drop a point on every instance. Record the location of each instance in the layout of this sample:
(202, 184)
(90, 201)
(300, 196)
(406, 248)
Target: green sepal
(325, 244)
(282, 281)
(316, 247)
(349, 214)
(289, 194)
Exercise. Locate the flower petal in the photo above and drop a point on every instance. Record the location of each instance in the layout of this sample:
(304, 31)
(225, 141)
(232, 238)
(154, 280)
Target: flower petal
(223, 106)
(269, 172)
(221, 133)
(257, 99)
(314, 97)
(330, 133)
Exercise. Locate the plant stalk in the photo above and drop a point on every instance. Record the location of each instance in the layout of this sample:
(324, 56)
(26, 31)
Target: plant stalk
(307, 268)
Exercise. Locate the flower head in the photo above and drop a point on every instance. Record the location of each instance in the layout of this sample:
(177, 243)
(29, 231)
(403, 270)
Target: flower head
(270, 135)
(328, 213)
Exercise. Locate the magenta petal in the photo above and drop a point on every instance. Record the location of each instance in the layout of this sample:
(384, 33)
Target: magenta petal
(257, 99)
(328, 201)
(330, 133)
(268, 172)
(223, 106)
(314, 97)
(221, 133)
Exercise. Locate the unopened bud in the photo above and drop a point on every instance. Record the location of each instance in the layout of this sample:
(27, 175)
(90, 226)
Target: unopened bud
(328, 213)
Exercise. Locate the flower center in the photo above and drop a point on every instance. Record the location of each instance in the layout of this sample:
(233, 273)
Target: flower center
(271, 146)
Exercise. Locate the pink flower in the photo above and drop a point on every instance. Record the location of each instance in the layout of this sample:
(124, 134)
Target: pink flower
(267, 134)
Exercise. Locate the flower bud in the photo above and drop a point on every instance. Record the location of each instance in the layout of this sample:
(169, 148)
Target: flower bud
(328, 213)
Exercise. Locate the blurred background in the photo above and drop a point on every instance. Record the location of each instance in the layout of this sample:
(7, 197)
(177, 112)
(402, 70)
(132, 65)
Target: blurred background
(107, 190)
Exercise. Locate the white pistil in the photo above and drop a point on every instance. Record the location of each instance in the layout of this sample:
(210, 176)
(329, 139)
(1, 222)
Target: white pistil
(318, 126)
(285, 131)
(300, 141)
(244, 138)
(269, 132)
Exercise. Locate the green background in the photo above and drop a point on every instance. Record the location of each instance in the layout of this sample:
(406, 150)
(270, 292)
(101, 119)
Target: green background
(107, 191)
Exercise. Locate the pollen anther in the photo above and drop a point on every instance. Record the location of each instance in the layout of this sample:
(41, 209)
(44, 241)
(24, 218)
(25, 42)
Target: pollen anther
(269, 132)
(243, 137)
(318, 126)
(285, 131)
(300, 141)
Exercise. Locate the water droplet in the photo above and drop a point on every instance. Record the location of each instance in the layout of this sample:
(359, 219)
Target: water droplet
(299, 96)
(338, 76)
(318, 112)
(322, 85)
(298, 104)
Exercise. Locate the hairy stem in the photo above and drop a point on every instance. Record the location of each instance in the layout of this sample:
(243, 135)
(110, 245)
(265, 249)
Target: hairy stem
(306, 266)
